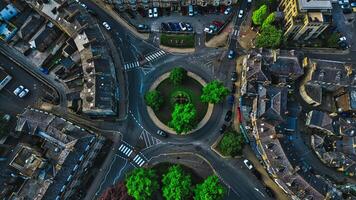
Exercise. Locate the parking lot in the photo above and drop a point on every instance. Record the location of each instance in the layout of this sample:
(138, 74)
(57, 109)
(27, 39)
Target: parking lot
(9, 103)
(345, 21)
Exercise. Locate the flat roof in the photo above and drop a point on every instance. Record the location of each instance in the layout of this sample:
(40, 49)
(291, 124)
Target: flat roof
(315, 4)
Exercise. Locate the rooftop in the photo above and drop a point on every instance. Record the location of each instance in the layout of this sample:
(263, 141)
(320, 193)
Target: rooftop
(315, 4)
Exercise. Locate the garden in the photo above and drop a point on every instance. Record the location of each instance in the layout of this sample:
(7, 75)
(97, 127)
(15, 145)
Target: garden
(180, 101)
(179, 41)
(166, 181)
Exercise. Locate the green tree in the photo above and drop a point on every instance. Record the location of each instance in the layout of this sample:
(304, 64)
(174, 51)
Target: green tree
(269, 20)
(231, 144)
(210, 189)
(259, 15)
(270, 37)
(183, 118)
(154, 99)
(176, 184)
(214, 92)
(177, 75)
(141, 183)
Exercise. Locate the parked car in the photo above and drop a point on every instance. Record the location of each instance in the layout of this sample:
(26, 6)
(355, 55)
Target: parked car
(44, 70)
(231, 99)
(213, 27)
(190, 10)
(150, 13)
(182, 26)
(222, 129)
(155, 12)
(18, 90)
(83, 5)
(270, 192)
(218, 23)
(241, 13)
(176, 26)
(233, 88)
(171, 26)
(165, 27)
(208, 30)
(353, 4)
(92, 12)
(162, 133)
(228, 116)
(227, 11)
(248, 164)
(189, 26)
(106, 25)
(231, 54)
(233, 76)
(24, 93)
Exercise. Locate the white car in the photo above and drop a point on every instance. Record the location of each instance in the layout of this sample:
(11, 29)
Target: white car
(106, 25)
(248, 164)
(208, 30)
(241, 13)
(182, 26)
(18, 90)
(342, 38)
(83, 5)
(227, 11)
(150, 14)
(155, 12)
(23, 93)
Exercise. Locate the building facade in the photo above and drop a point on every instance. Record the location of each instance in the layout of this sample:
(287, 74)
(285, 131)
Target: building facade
(305, 19)
(167, 4)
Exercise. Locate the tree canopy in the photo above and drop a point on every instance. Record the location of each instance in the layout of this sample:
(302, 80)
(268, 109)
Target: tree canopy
(116, 192)
(210, 189)
(269, 20)
(259, 15)
(177, 75)
(154, 99)
(231, 144)
(214, 92)
(183, 118)
(141, 183)
(176, 184)
(270, 37)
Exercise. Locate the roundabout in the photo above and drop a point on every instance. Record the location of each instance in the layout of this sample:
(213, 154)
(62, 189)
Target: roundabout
(174, 95)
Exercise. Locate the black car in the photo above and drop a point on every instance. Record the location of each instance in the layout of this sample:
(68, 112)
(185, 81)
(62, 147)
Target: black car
(165, 27)
(228, 116)
(233, 76)
(222, 129)
(171, 26)
(233, 88)
(142, 27)
(162, 133)
(270, 192)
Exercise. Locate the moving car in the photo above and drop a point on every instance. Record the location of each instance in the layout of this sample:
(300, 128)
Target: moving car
(241, 13)
(24, 93)
(248, 164)
(18, 90)
(231, 54)
(227, 11)
(228, 116)
(150, 13)
(155, 12)
(233, 76)
(106, 25)
(162, 133)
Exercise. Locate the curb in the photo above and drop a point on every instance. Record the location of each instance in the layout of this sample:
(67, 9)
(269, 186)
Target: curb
(164, 127)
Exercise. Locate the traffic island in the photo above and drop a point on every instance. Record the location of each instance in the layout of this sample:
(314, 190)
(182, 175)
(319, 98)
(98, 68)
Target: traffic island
(178, 99)
(178, 43)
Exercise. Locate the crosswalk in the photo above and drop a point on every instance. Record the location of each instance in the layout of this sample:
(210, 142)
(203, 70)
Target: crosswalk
(149, 139)
(138, 160)
(153, 56)
(125, 150)
(131, 65)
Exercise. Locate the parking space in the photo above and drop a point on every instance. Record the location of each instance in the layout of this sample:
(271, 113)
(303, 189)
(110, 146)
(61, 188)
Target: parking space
(198, 21)
(9, 103)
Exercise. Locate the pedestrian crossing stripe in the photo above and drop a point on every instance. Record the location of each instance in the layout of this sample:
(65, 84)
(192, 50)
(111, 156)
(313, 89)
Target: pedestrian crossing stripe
(131, 65)
(155, 55)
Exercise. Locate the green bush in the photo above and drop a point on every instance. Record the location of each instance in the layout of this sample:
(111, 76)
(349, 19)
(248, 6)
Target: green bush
(270, 37)
(141, 183)
(210, 189)
(154, 100)
(176, 184)
(259, 15)
(177, 75)
(214, 92)
(179, 41)
(231, 144)
(183, 118)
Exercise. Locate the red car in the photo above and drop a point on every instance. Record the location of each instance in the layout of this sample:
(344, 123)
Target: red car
(217, 23)
(239, 114)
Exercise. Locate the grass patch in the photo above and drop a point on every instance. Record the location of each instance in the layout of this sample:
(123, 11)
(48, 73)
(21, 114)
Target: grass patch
(179, 41)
